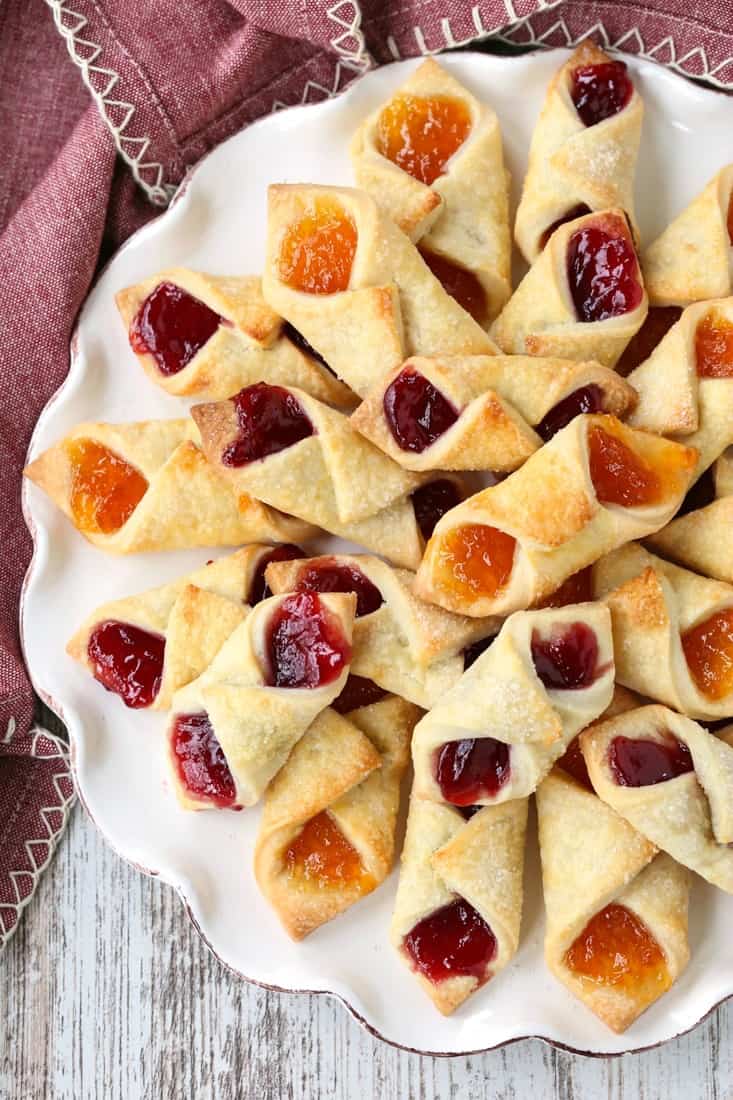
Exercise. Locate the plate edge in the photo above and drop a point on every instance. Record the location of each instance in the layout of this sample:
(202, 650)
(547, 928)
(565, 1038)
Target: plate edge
(29, 576)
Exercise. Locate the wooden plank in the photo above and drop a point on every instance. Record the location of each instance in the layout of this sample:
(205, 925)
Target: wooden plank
(109, 993)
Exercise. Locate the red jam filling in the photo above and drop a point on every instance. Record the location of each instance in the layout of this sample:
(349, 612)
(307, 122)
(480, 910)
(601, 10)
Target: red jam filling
(128, 661)
(578, 588)
(472, 653)
(259, 589)
(332, 576)
(270, 419)
(578, 211)
(714, 346)
(454, 941)
(432, 501)
(291, 333)
(600, 91)
(568, 658)
(729, 219)
(358, 692)
(473, 769)
(420, 134)
(587, 399)
(617, 949)
(317, 251)
(460, 283)
(708, 649)
(416, 412)
(105, 489)
(200, 762)
(172, 326)
(641, 762)
(474, 560)
(603, 274)
(305, 645)
(321, 856)
(619, 475)
(658, 322)
(573, 762)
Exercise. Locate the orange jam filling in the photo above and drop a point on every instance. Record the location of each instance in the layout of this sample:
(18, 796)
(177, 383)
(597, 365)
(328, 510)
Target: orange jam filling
(317, 251)
(460, 283)
(420, 135)
(708, 649)
(475, 560)
(105, 489)
(714, 346)
(617, 949)
(322, 856)
(619, 475)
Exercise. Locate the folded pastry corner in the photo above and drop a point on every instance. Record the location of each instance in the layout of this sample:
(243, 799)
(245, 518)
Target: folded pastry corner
(596, 485)
(209, 335)
(582, 157)
(685, 387)
(233, 727)
(673, 631)
(327, 832)
(617, 912)
(496, 734)
(145, 486)
(482, 412)
(294, 452)
(408, 647)
(691, 260)
(432, 158)
(458, 909)
(145, 647)
(583, 298)
(672, 781)
(700, 540)
(355, 286)
(446, 414)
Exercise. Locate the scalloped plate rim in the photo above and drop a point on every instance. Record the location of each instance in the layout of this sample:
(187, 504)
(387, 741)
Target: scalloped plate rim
(39, 535)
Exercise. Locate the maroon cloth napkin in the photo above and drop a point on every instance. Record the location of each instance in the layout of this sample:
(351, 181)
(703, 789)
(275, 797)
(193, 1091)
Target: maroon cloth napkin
(105, 106)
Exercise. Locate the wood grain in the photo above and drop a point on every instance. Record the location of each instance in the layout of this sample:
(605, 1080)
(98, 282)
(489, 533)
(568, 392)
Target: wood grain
(109, 993)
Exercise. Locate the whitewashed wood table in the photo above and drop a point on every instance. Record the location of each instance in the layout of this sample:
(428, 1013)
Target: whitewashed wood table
(109, 993)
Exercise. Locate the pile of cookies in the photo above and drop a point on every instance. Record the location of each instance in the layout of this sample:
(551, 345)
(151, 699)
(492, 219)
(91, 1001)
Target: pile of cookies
(565, 631)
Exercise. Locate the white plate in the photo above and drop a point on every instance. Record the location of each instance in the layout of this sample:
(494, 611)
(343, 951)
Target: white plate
(218, 225)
